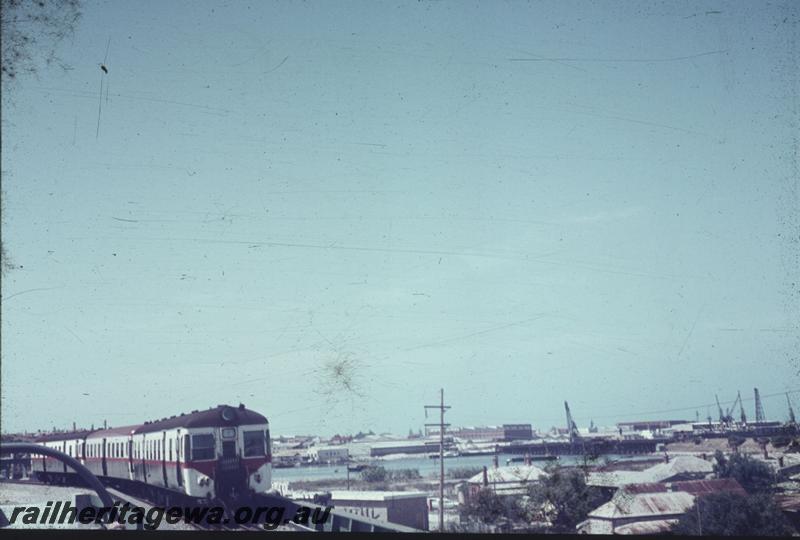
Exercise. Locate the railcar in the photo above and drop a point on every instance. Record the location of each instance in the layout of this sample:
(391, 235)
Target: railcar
(220, 453)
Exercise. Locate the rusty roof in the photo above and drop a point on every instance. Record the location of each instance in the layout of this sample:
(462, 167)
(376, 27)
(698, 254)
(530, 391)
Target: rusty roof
(655, 526)
(695, 487)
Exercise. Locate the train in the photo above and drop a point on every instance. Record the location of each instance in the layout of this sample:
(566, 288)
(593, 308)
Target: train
(223, 453)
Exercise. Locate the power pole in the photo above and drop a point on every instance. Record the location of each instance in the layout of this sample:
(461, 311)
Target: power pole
(791, 411)
(442, 408)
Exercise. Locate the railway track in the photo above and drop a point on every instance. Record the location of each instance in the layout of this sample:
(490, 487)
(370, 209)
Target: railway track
(332, 520)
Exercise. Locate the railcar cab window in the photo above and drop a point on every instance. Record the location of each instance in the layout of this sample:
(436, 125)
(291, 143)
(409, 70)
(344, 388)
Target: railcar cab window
(202, 447)
(254, 444)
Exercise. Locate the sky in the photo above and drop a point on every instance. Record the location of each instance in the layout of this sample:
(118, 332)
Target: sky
(328, 211)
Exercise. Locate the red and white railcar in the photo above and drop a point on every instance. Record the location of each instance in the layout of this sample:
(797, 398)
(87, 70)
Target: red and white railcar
(219, 453)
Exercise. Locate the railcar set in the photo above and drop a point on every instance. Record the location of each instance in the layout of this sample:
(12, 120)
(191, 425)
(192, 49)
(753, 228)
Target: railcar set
(223, 453)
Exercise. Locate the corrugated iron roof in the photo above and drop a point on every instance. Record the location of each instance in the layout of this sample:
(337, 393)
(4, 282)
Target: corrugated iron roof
(655, 526)
(677, 466)
(695, 487)
(509, 474)
(595, 526)
(645, 505)
(680, 465)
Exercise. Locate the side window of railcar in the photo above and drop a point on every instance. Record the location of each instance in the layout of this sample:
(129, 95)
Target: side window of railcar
(254, 444)
(202, 447)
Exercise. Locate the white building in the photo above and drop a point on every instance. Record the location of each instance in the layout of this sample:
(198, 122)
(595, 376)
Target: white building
(511, 480)
(328, 454)
(409, 508)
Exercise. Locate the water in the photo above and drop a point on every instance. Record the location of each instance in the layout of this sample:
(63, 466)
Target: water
(426, 466)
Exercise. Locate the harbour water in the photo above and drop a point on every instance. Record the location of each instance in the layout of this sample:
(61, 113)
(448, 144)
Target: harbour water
(428, 467)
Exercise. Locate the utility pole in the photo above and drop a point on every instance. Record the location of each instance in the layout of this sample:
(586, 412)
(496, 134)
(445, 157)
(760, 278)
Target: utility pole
(442, 408)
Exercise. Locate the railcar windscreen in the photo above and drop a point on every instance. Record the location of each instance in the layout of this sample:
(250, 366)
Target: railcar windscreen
(254, 443)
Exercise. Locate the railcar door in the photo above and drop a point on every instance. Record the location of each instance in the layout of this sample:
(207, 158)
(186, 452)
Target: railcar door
(64, 449)
(130, 458)
(178, 459)
(144, 461)
(164, 457)
(105, 464)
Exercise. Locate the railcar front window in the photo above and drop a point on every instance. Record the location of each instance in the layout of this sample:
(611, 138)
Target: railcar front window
(202, 447)
(254, 444)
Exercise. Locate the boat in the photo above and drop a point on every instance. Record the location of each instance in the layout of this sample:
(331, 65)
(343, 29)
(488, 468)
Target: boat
(447, 454)
(523, 459)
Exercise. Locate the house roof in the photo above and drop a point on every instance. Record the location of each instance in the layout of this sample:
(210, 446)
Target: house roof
(512, 474)
(596, 526)
(677, 466)
(695, 487)
(617, 478)
(654, 526)
(680, 465)
(645, 505)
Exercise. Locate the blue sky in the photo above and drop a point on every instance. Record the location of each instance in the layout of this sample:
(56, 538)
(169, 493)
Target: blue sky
(328, 211)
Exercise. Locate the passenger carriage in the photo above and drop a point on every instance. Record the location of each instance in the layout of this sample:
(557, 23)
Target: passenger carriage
(219, 453)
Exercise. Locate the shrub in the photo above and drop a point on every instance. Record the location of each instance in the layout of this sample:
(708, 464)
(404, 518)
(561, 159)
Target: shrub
(729, 514)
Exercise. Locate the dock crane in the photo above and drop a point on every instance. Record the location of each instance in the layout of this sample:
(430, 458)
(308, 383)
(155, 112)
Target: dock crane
(791, 411)
(723, 416)
(742, 415)
(572, 429)
(760, 416)
(732, 409)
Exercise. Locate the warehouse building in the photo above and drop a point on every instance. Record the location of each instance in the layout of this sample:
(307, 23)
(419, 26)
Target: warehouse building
(328, 454)
(506, 432)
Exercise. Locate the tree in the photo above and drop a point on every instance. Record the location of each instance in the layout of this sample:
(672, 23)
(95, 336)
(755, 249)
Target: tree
(730, 514)
(489, 507)
(374, 474)
(735, 441)
(754, 476)
(31, 29)
(564, 499)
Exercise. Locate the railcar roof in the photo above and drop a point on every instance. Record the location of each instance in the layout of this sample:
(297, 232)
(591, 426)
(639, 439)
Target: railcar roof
(114, 432)
(62, 436)
(208, 418)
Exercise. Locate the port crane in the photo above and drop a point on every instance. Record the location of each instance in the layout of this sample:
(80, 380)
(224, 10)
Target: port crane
(760, 416)
(742, 415)
(726, 416)
(572, 429)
